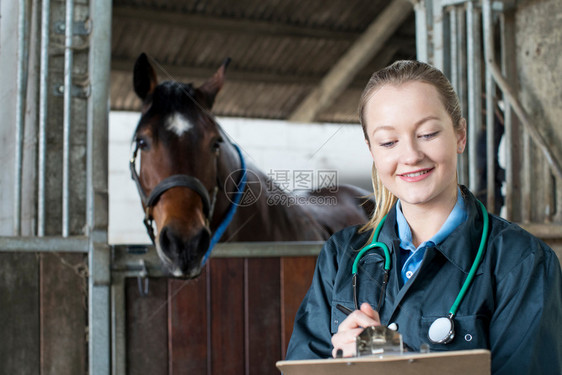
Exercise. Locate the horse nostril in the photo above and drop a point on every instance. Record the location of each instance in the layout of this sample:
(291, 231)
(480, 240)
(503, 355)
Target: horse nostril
(164, 240)
(171, 243)
(184, 253)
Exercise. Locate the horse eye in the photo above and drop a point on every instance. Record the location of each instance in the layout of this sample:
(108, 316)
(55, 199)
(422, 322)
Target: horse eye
(217, 143)
(142, 144)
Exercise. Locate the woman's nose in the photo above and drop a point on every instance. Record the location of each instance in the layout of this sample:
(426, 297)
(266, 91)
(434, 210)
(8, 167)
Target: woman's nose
(411, 153)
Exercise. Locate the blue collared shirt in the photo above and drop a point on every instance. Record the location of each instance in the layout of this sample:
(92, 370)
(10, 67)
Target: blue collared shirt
(410, 256)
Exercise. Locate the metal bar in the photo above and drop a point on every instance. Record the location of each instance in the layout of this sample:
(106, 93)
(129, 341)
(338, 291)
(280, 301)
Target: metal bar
(21, 78)
(133, 260)
(67, 115)
(99, 259)
(533, 131)
(118, 331)
(454, 55)
(462, 82)
(421, 31)
(234, 250)
(508, 56)
(446, 3)
(526, 185)
(438, 37)
(490, 108)
(474, 90)
(43, 102)
(44, 244)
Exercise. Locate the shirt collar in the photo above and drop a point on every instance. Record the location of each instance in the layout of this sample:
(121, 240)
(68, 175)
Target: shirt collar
(460, 247)
(457, 216)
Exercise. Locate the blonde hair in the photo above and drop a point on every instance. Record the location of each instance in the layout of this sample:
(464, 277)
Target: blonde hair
(397, 74)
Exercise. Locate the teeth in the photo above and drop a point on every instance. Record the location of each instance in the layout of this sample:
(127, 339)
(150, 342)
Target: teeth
(416, 174)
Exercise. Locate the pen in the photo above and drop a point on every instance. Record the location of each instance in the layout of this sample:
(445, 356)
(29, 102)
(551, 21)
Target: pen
(344, 309)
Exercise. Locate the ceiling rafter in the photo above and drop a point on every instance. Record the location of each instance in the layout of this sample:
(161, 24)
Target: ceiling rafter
(228, 25)
(344, 71)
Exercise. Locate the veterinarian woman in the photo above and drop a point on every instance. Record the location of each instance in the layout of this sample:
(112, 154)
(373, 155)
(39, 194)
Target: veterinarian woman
(435, 233)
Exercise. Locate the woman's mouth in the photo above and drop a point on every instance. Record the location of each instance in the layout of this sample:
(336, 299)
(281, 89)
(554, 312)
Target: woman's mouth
(416, 175)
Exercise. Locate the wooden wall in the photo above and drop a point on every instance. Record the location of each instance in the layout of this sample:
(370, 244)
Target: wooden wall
(43, 314)
(236, 318)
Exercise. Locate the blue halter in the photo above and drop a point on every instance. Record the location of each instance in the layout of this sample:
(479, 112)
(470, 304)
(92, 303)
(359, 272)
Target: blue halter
(231, 209)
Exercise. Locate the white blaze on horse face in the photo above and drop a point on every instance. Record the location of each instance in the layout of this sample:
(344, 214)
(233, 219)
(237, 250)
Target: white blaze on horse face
(178, 124)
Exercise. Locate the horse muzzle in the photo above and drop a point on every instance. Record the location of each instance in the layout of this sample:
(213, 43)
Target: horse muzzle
(180, 253)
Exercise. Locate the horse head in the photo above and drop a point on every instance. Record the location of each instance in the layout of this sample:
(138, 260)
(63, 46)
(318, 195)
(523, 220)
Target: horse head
(177, 143)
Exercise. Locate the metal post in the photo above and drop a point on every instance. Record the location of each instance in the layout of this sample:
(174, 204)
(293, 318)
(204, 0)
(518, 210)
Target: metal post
(438, 37)
(474, 89)
(421, 30)
(23, 52)
(43, 95)
(462, 82)
(490, 108)
(508, 58)
(99, 349)
(454, 55)
(67, 114)
(526, 185)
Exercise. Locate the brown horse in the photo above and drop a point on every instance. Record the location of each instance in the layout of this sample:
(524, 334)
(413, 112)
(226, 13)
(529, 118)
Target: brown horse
(195, 185)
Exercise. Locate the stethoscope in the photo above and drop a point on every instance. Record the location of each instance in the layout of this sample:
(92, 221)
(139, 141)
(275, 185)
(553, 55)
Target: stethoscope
(442, 330)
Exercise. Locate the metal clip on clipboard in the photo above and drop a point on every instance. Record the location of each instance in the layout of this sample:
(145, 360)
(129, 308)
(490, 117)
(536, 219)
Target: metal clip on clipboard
(379, 340)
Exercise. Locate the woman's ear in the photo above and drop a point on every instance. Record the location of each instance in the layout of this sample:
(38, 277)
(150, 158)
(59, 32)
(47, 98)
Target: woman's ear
(461, 136)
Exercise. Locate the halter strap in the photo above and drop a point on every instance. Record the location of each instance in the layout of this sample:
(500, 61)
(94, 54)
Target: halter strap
(231, 209)
(180, 180)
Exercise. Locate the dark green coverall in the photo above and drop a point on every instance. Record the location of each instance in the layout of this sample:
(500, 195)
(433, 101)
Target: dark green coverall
(513, 306)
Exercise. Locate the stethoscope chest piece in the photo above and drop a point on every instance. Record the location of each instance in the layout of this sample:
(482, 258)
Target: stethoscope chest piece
(442, 330)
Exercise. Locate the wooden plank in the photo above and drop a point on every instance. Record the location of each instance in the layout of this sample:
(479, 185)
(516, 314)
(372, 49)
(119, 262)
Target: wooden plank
(187, 325)
(19, 314)
(147, 321)
(63, 303)
(345, 69)
(227, 316)
(263, 315)
(228, 25)
(296, 276)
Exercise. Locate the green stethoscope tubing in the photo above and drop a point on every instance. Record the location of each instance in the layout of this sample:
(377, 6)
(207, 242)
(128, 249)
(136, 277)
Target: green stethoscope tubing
(467, 282)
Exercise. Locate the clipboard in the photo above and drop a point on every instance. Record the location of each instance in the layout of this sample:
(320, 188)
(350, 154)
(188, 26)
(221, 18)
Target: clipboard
(461, 362)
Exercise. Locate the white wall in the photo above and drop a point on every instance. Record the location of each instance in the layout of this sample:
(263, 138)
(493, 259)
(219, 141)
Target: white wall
(270, 145)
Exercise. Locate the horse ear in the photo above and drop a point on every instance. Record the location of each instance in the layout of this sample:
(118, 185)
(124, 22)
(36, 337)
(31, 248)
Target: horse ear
(212, 86)
(144, 77)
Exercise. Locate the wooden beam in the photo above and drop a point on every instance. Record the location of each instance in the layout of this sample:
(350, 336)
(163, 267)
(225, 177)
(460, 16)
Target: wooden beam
(227, 25)
(194, 73)
(342, 73)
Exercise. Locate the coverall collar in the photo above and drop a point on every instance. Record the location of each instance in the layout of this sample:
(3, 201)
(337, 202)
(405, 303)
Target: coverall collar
(460, 247)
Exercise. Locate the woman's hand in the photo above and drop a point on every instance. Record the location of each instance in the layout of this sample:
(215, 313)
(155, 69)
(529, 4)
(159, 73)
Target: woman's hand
(351, 327)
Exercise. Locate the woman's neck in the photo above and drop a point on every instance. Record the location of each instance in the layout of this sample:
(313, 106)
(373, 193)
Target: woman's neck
(425, 220)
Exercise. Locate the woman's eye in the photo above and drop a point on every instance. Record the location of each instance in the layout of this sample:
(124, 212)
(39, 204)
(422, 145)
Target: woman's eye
(387, 144)
(429, 136)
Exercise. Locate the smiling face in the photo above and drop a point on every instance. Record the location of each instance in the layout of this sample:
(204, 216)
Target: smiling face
(413, 143)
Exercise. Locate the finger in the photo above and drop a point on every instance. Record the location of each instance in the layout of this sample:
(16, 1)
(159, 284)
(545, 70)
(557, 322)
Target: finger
(348, 350)
(357, 319)
(346, 341)
(345, 337)
(370, 312)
